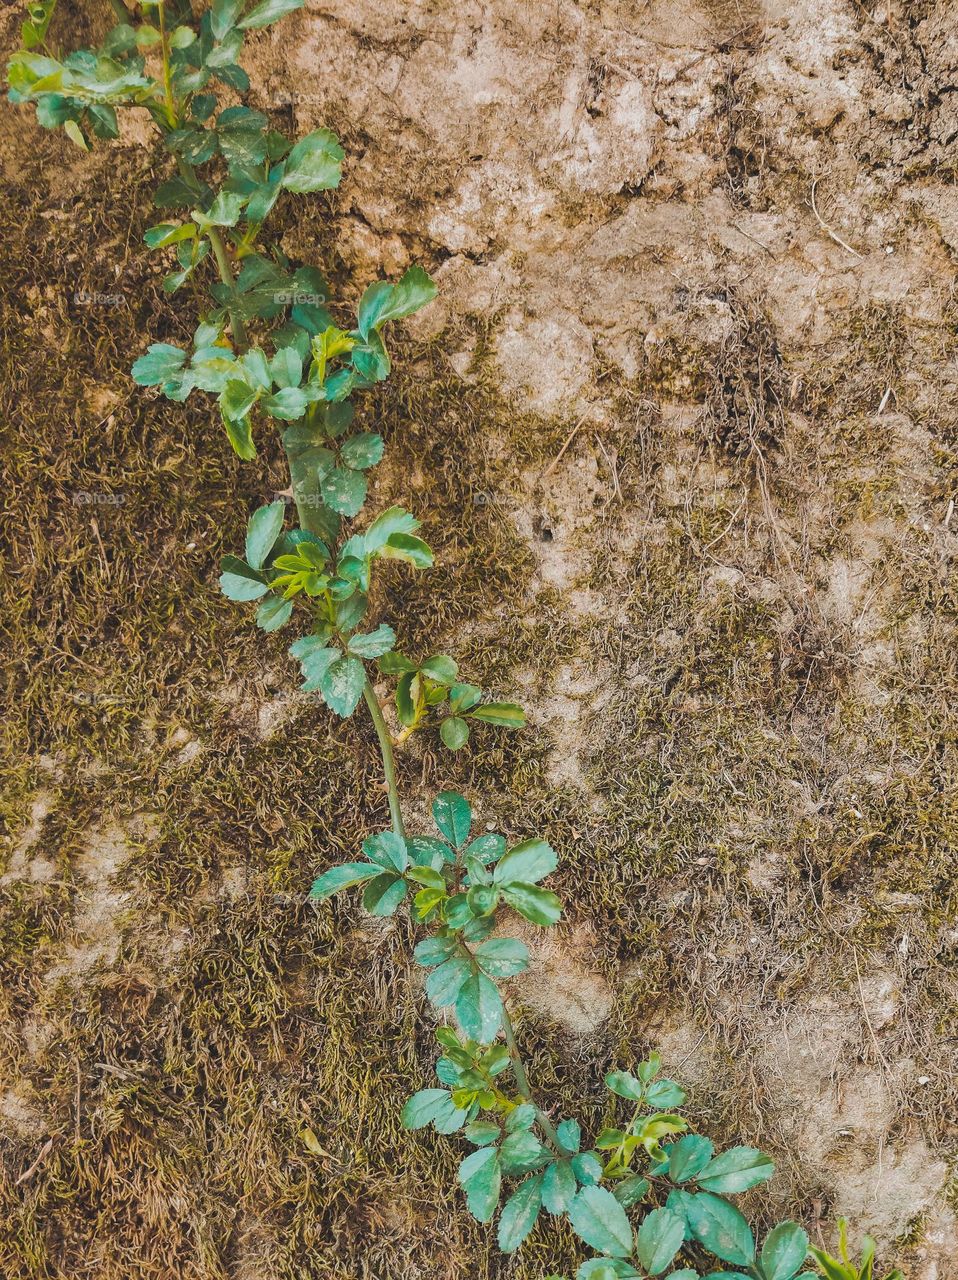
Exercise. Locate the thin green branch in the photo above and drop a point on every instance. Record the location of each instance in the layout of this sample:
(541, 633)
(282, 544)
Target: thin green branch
(389, 760)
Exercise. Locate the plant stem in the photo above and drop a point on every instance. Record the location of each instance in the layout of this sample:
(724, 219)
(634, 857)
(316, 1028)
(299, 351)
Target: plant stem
(240, 336)
(389, 760)
(167, 74)
(525, 1088)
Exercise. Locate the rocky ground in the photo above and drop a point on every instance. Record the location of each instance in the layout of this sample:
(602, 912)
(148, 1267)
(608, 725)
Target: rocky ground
(683, 428)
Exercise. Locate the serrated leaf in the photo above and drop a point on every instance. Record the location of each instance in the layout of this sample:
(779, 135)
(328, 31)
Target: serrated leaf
(265, 525)
(384, 894)
(344, 490)
(454, 733)
(663, 1094)
(273, 614)
(481, 1178)
(342, 685)
(659, 1239)
(444, 984)
(784, 1251)
(625, 1085)
(406, 546)
(479, 1008)
(342, 877)
(315, 163)
(374, 643)
(239, 582)
(558, 1187)
(597, 1218)
(422, 1107)
(269, 11)
(541, 906)
(363, 450)
(507, 715)
(161, 363)
(736, 1170)
(689, 1156)
(720, 1227)
(502, 957)
(519, 1214)
(527, 863)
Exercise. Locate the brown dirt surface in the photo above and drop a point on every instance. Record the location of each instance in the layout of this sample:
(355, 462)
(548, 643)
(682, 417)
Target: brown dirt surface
(704, 250)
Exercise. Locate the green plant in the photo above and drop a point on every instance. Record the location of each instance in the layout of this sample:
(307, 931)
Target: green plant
(270, 350)
(843, 1268)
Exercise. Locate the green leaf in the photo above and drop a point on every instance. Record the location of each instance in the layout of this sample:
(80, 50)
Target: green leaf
(161, 363)
(269, 11)
(422, 1107)
(481, 1178)
(558, 1187)
(239, 582)
(463, 697)
(587, 1168)
(236, 399)
(374, 644)
(240, 435)
(659, 1239)
(273, 614)
(663, 1094)
(384, 894)
(482, 1132)
(479, 1008)
(689, 1156)
(342, 685)
(440, 668)
(265, 525)
(223, 212)
(632, 1190)
(625, 1085)
(288, 404)
(383, 301)
(736, 1170)
(394, 520)
(363, 450)
(597, 1218)
(505, 714)
(405, 546)
(721, 1228)
(223, 16)
(388, 850)
(522, 1151)
(784, 1251)
(519, 1214)
(502, 957)
(344, 490)
(528, 862)
(454, 733)
(444, 984)
(569, 1134)
(168, 233)
(342, 877)
(433, 951)
(541, 906)
(452, 816)
(315, 163)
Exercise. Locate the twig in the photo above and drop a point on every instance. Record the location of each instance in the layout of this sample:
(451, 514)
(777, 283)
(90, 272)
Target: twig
(558, 458)
(615, 475)
(827, 229)
(44, 1152)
